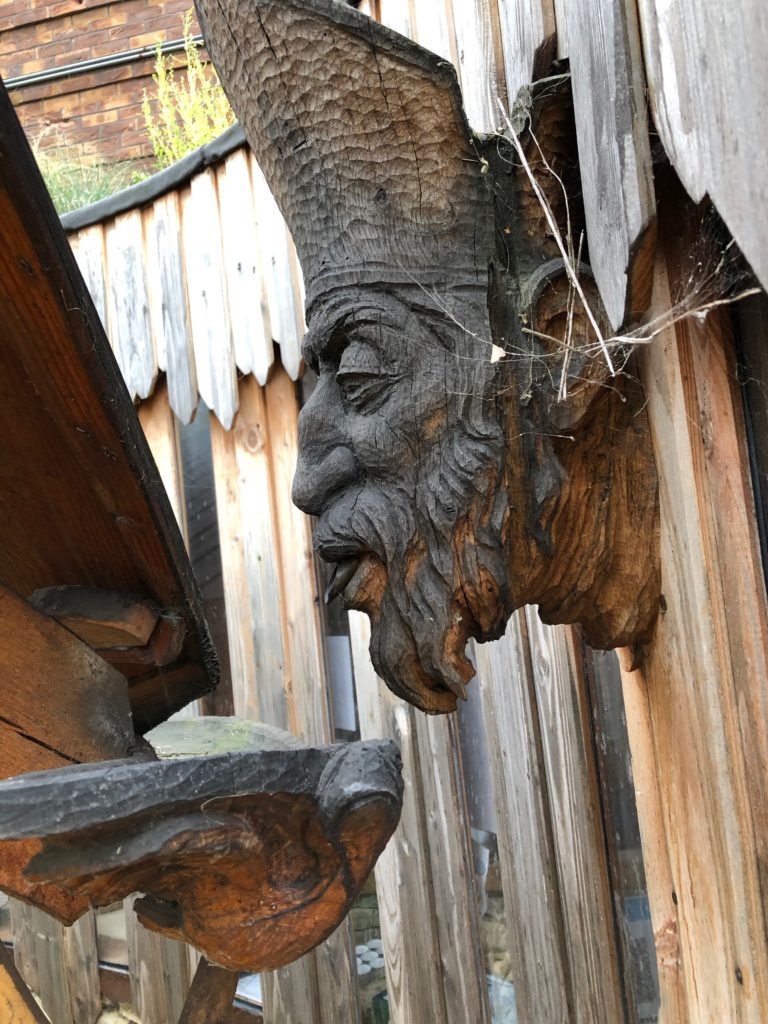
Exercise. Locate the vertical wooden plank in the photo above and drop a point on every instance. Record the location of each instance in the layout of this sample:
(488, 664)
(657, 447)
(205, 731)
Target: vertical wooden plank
(609, 100)
(708, 717)
(579, 844)
(404, 878)
(168, 306)
(707, 70)
(658, 874)
(528, 41)
(88, 247)
(159, 426)
(526, 849)
(249, 316)
(396, 14)
(208, 307)
(160, 972)
(431, 28)
(16, 1004)
(278, 276)
(128, 304)
(456, 915)
(478, 42)
(59, 964)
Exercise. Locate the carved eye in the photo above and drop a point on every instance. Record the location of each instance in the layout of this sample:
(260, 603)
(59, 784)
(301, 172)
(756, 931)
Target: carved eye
(363, 380)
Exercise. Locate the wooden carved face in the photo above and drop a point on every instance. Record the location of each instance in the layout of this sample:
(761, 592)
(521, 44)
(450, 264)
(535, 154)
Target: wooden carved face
(450, 487)
(401, 458)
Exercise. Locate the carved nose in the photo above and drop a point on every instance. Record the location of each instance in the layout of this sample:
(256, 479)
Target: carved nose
(325, 464)
(318, 478)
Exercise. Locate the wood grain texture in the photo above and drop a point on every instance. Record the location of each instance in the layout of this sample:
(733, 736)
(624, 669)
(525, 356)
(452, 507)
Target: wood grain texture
(707, 720)
(128, 304)
(60, 964)
(609, 99)
(532, 899)
(211, 996)
(88, 248)
(208, 307)
(408, 926)
(707, 77)
(249, 316)
(579, 844)
(480, 67)
(70, 420)
(16, 1003)
(171, 328)
(100, 618)
(156, 416)
(159, 969)
(528, 41)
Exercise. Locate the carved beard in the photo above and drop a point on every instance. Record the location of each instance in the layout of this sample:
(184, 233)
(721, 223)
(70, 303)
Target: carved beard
(436, 567)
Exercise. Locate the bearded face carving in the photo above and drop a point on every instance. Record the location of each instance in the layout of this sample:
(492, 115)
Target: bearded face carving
(449, 484)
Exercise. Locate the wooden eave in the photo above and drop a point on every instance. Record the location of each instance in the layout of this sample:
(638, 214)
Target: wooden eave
(81, 500)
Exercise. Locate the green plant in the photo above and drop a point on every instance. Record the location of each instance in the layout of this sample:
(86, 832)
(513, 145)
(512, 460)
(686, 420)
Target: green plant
(186, 112)
(73, 183)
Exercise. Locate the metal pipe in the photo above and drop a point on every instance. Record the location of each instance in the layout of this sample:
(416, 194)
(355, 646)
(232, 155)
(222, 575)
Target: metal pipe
(112, 60)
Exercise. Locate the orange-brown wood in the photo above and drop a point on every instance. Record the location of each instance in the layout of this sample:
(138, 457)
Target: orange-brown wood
(211, 996)
(100, 618)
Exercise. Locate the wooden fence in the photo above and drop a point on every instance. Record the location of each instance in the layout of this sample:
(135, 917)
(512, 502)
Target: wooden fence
(516, 887)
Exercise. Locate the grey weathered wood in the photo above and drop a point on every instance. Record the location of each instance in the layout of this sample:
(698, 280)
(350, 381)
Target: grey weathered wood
(579, 844)
(526, 853)
(211, 996)
(431, 27)
(88, 247)
(249, 316)
(60, 965)
(609, 99)
(278, 276)
(16, 1002)
(170, 316)
(456, 904)
(208, 308)
(159, 971)
(707, 71)
(528, 41)
(128, 304)
(480, 62)
(404, 871)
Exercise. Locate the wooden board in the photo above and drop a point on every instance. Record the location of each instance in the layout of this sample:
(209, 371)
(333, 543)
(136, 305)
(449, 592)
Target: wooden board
(80, 496)
(249, 315)
(708, 88)
(211, 996)
(88, 247)
(579, 843)
(533, 909)
(480, 68)
(708, 716)
(168, 304)
(16, 1004)
(609, 100)
(208, 307)
(528, 41)
(128, 304)
(404, 871)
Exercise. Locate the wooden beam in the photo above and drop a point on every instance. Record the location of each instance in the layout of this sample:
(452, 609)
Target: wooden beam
(211, 996)
(100, 618)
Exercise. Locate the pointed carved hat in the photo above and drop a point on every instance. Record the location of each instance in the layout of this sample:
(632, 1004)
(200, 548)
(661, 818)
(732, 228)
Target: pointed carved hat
(362, 138)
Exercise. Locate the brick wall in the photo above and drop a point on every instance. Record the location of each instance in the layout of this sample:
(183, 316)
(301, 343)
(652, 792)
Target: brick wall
(96, 116)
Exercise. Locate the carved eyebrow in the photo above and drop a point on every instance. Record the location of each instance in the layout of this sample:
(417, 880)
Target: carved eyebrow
(326, 330)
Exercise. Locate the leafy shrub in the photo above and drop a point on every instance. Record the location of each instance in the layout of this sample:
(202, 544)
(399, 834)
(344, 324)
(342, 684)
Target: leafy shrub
(74, 183)
(186, 111)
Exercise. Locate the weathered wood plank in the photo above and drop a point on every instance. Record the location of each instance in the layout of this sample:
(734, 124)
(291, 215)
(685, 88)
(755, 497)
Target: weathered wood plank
(707, 716)
(528, 41)
(609, 100)
(156, 416)
(59, 964)
(480, 68)
(708, 88)
(68, 419)
(208, 307)
(168, 305)
(526, 852)
(277, 273)
(88, 247)
(159, 971)
(658, 874)
(403, 872)
(579, 843)
(249, 316)
(16, 1004)
(456, 905)
(128, 304)
(432, 28)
